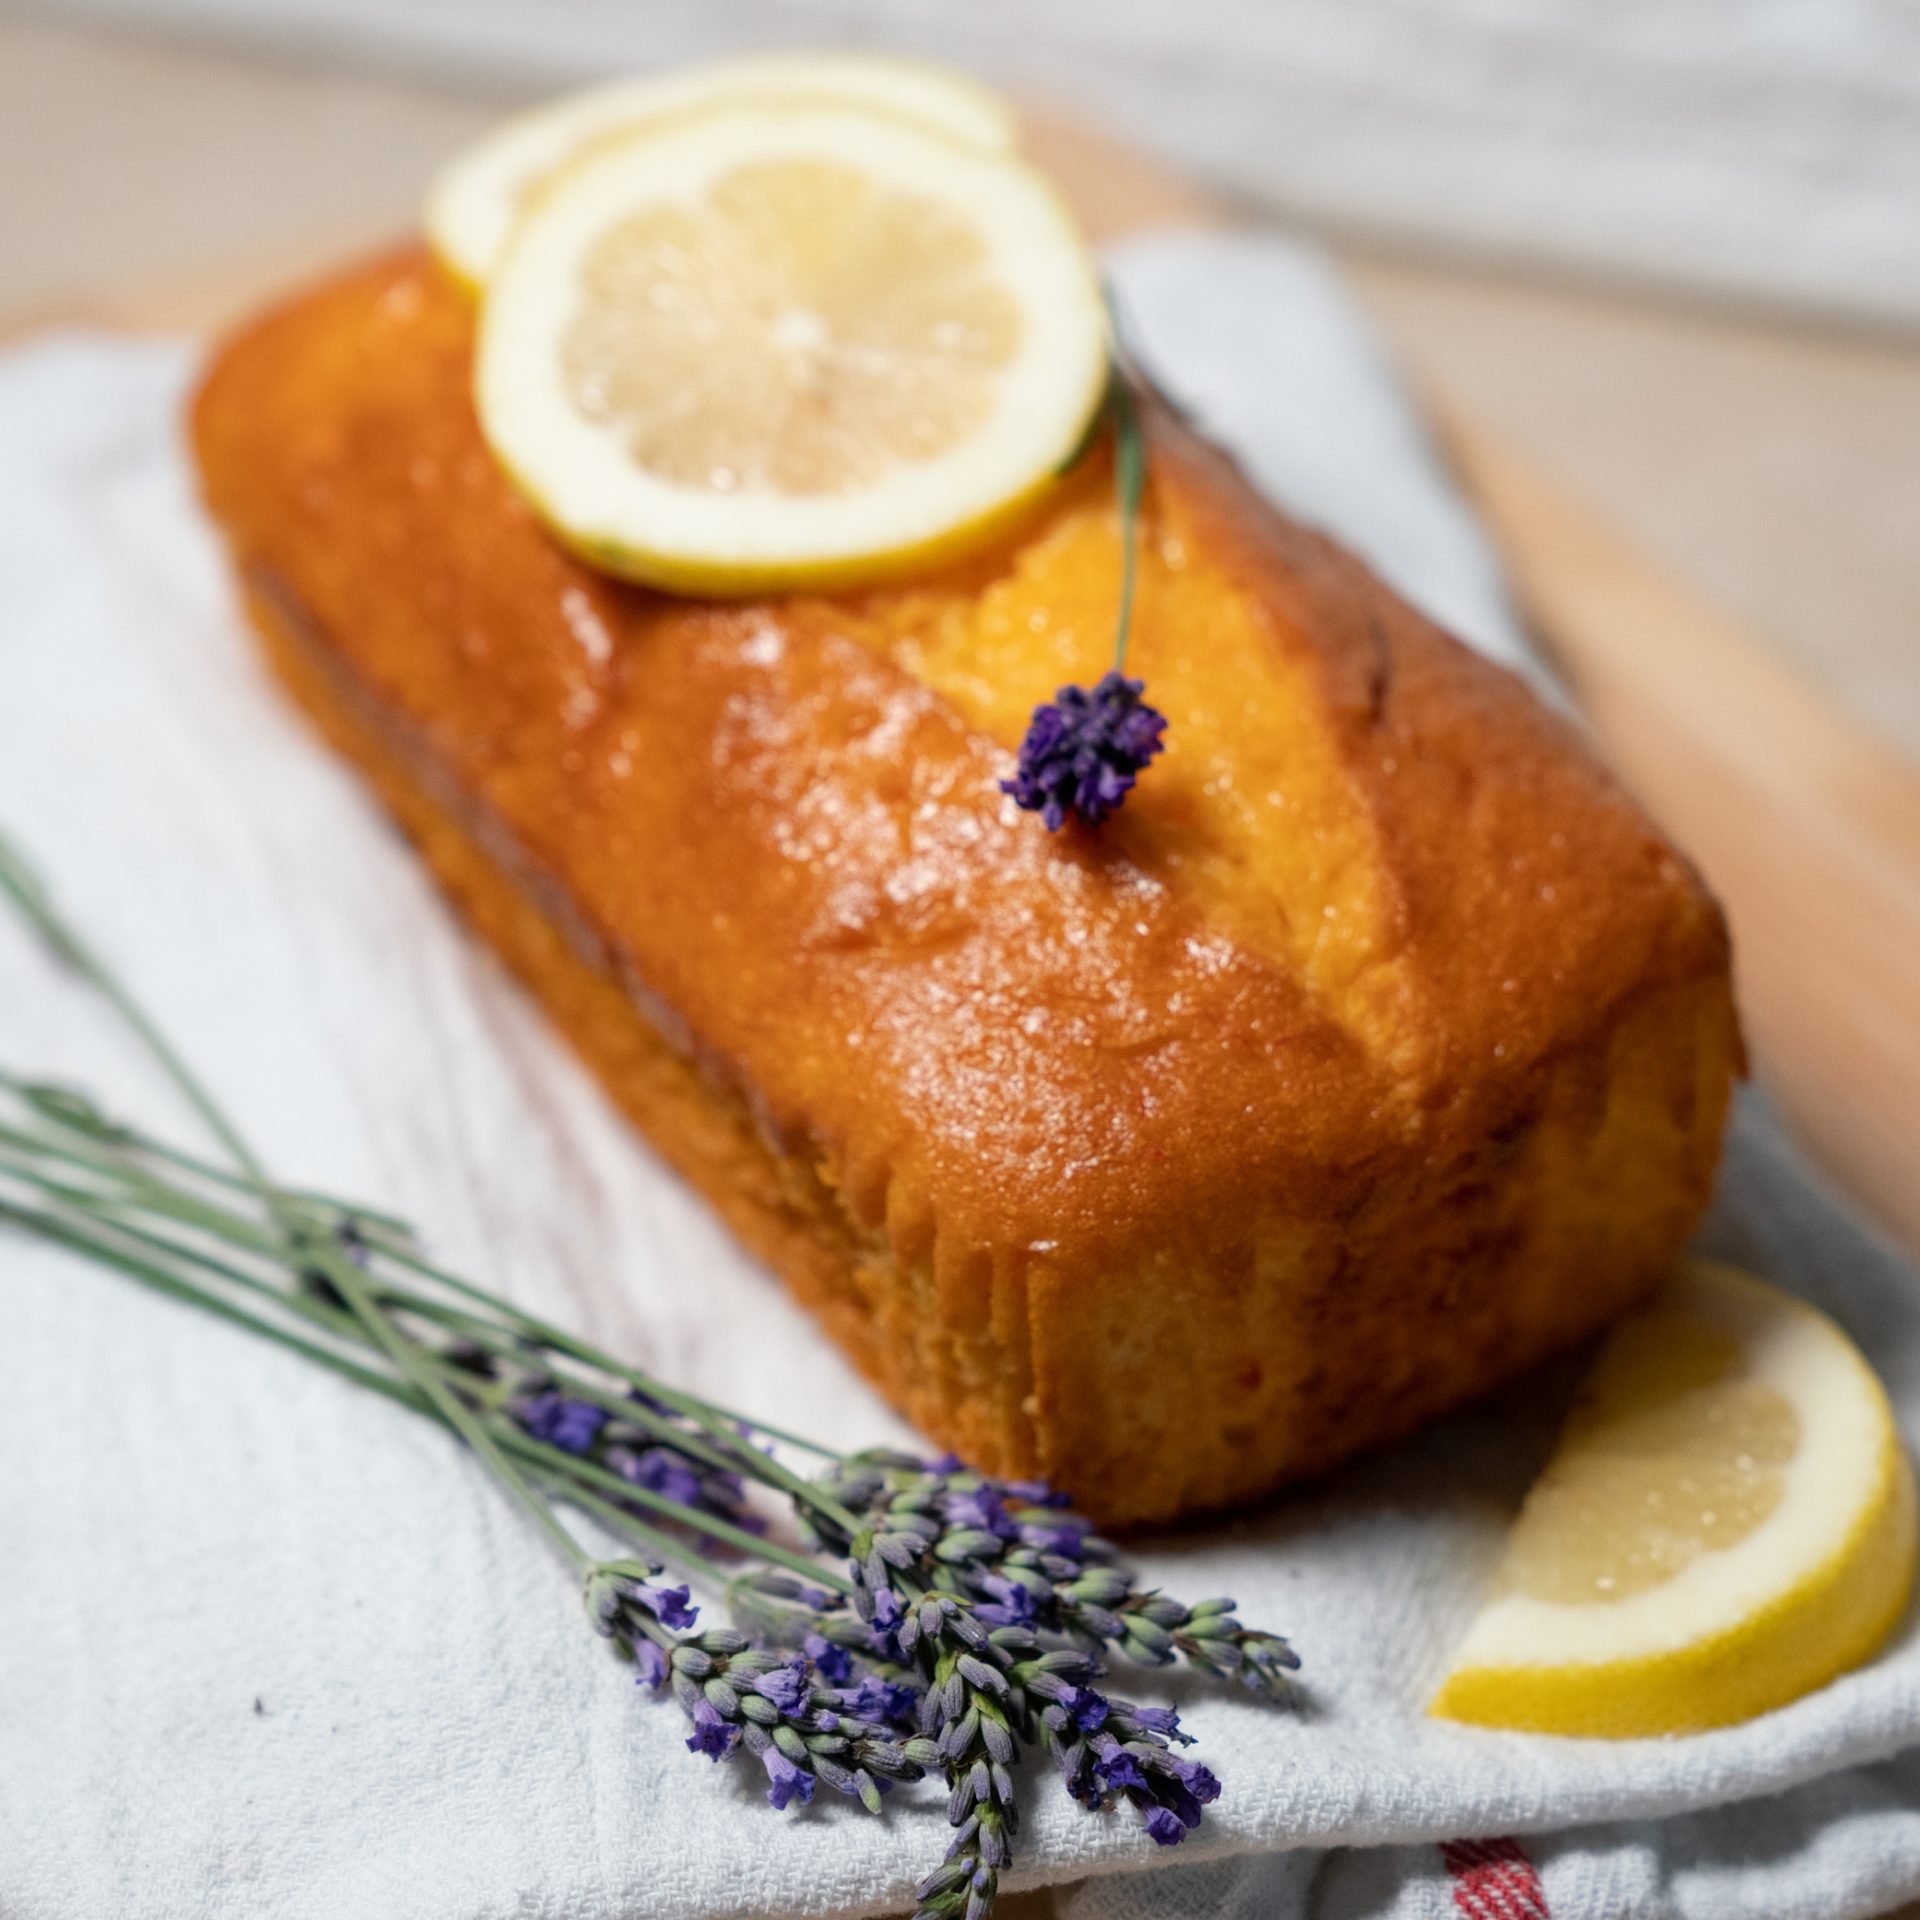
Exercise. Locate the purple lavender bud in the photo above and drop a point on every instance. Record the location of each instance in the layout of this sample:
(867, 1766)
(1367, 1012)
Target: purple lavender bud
(1088, 1708)
(1063, 1539)
(1012, 1604)
(555, 1421)
(661, 1472)
(1198, 1780)
(1164, 1828)
(989, 1678)
(1115, 1766)
(1035, 1493)
(1083, 750)
(669, 1605)
(1180, 1802)
(957, 1736)
(981, 1509)
(963, 1626)
(960, 1800)
(833, 1664)
(711, 1735)
(931, 1713)
(954, 1873)
(994, 1849)
(1161, 1720)
(1100, 1587)
(788, 1781)
(649, 1664)
(785, 1686)
(886, 1609)
(881, 1700)
(999, 1616)
(1268, 1659)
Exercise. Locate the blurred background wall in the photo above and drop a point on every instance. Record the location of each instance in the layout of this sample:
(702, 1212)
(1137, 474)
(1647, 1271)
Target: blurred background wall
(1767, 150)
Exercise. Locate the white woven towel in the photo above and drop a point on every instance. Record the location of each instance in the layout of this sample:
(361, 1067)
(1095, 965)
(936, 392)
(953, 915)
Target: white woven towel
(268, 1649)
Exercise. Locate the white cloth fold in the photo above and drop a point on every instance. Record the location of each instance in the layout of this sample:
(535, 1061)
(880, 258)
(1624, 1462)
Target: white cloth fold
(270, 1649)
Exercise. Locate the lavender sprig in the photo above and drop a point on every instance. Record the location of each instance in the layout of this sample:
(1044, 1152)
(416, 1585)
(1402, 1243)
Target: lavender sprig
(914, 1618)
(1024, 1560)
(967, 1574)
(739, 1698)
(1085, 748)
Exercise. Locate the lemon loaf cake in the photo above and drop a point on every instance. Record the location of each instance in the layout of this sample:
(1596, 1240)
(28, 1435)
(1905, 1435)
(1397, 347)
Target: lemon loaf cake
(1377, 1048)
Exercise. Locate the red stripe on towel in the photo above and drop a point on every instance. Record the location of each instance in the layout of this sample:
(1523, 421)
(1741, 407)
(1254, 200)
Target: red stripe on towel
(1494, 1880)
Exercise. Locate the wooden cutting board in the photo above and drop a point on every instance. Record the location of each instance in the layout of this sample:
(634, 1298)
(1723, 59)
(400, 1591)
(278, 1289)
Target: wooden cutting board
(1806, 825)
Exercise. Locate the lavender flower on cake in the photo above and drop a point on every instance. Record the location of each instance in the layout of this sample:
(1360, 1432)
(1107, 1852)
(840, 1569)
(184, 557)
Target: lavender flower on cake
(1085, 748)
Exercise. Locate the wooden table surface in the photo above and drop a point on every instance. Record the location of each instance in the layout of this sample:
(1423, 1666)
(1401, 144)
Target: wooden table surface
(1804, 817)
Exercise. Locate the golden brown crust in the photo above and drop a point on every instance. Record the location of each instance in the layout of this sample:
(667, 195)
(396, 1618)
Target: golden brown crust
(1316, 1056)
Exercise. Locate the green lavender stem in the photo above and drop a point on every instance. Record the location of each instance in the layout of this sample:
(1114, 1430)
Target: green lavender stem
(19, 881)
(145, 1193)
(578, 1475)
(1129, 485)
(165, 1279)
(89, 1137)
(77, 1116)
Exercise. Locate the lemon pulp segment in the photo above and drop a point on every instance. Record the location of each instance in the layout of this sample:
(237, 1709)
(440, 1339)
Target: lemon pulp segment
(805, 330)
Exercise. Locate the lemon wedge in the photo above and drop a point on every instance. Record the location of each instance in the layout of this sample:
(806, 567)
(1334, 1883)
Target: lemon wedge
(787, 344)
(1726, 1524)
(477, 197)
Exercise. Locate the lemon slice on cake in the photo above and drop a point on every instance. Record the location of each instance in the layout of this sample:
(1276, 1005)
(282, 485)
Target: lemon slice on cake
(1727, 1523)
(788, 344)
(480, 194)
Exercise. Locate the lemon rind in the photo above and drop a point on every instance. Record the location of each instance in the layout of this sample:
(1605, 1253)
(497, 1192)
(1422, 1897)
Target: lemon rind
(470, 208)
(1774, 1649)
(1791, 1647)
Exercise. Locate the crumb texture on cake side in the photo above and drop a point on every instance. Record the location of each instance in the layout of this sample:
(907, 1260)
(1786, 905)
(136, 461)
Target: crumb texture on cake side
(1377, 1048)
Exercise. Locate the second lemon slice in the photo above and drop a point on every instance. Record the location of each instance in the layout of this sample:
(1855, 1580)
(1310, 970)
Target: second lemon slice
(772, 346)
(480, 194)
(1727, 1523)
